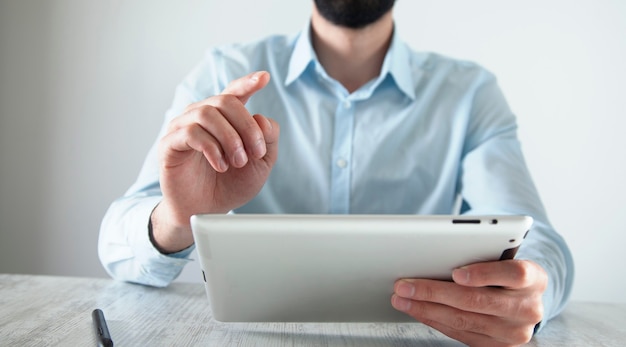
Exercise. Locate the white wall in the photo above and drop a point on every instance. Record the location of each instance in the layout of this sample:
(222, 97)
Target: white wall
(84, 85)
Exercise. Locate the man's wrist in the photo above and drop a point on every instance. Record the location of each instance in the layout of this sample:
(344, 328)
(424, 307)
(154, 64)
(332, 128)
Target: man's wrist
(155, 234)
(152, 240)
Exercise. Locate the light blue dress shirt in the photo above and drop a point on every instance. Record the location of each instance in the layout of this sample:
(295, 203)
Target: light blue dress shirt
(427, 131)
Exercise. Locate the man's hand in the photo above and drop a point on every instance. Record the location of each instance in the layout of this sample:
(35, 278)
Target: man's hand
(215, 157)
(488, 304)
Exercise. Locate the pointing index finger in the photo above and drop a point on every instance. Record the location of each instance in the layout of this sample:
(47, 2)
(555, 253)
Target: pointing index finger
(243, 88)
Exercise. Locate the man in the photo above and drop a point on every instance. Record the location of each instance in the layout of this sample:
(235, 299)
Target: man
(366, 126)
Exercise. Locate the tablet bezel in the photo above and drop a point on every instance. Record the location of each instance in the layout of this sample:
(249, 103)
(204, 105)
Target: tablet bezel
(337, 268)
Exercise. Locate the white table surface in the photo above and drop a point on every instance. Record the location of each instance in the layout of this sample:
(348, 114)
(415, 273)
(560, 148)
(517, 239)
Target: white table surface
(56, 311)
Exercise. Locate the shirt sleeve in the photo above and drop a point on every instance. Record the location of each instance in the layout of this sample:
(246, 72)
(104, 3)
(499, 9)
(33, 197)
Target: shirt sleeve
(496, 180)
(124, 246)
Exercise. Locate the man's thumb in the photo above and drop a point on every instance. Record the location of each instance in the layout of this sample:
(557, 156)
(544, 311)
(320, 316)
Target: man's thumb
(243, 88)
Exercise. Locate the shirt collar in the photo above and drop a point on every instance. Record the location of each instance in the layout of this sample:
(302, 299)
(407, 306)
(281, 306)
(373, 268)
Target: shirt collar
(397, 61)
(301, 56)
(398, 64)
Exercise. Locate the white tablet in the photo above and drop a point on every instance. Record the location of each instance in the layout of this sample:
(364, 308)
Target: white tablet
(337, 268)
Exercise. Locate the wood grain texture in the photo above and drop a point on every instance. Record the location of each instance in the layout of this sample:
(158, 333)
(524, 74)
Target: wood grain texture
(56, 311)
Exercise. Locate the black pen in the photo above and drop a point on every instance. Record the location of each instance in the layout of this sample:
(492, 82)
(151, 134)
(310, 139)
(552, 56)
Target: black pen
(100, 327)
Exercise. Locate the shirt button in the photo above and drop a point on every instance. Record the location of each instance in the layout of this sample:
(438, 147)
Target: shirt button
(342, 163)
(347, 104)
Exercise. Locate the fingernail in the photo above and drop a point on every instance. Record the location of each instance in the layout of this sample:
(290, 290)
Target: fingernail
(255, 77)
(240, 158)
(461, 276)
(405, 289)
(222, 165)
(401, 304)
(259, 149)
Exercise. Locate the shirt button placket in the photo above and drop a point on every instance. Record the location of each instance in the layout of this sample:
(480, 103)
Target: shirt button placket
(341, 156)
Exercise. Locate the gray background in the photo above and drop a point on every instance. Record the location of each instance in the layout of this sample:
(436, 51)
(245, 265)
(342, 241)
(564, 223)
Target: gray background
(84, 85)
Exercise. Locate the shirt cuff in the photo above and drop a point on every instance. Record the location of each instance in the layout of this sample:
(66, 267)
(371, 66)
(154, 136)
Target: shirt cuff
(155, 268)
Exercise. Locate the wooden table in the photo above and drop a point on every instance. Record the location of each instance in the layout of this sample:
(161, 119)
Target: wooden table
(56, 311)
